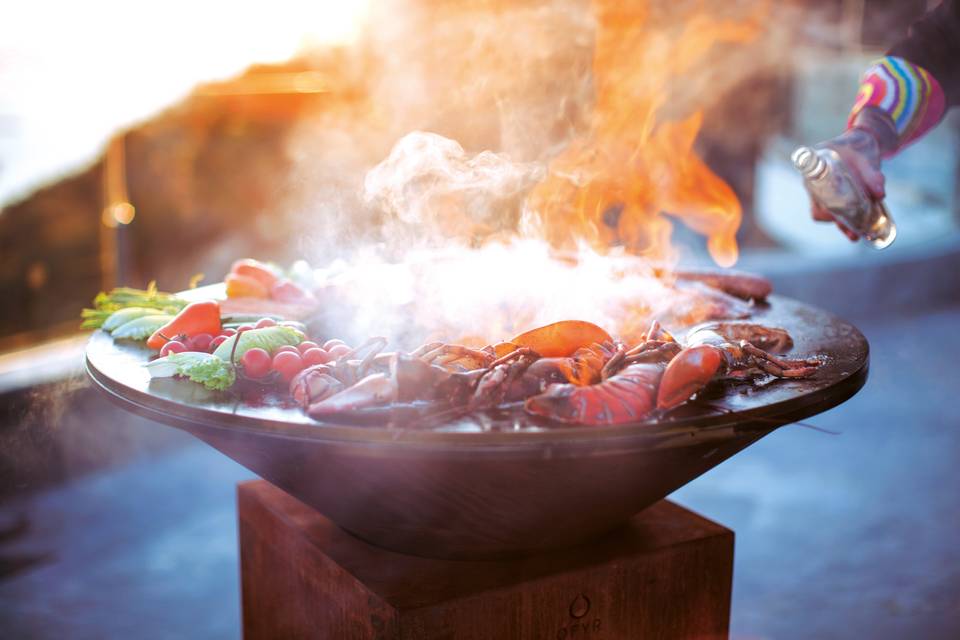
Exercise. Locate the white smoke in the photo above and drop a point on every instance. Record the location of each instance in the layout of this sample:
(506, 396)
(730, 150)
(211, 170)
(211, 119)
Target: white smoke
(428, 181)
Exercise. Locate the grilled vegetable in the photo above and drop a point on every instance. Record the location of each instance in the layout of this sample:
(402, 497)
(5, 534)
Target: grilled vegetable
(239, 286)
(256, 270)
(196, 317)
(140, 328)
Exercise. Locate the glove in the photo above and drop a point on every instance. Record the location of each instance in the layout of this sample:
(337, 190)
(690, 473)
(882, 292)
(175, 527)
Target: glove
(898, 102)
(860, 151)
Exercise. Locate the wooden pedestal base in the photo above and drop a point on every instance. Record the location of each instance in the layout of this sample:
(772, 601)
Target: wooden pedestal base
(667, 574)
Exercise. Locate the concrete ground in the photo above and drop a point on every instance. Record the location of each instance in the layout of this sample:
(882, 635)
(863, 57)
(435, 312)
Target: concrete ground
(847, 536)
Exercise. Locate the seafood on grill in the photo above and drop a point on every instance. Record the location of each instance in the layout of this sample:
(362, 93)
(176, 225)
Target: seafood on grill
(435, 372)
(746, 286)
(660, 373)
(626, 391)
(728, 349)
(523, 373)
(454, 375)
(590, 379)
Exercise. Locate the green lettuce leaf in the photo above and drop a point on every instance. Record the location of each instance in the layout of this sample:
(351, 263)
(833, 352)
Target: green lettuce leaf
(204, 368)
(268, 338)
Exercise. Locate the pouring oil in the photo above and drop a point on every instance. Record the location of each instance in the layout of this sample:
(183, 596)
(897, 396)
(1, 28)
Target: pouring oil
(829, 182)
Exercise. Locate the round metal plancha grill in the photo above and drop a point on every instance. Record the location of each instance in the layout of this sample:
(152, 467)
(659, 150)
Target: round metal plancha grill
(466, 490)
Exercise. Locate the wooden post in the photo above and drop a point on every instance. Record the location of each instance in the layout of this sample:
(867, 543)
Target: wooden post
(665, 575)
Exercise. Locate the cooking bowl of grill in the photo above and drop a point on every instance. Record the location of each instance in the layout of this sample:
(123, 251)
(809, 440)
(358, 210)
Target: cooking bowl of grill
(490, 487)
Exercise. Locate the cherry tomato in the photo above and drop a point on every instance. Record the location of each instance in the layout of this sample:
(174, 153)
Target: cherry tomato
(288, 363)
(285, 347)
(200, 342)
(216, 342)
(173, 346)
(306, 345)
(338, 350)
(330, 344)
(265, 322)
(228, 332)
(244, 327)
(256, 362)
(315, 356)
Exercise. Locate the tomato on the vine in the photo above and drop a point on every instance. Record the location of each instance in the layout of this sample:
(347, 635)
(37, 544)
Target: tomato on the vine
(256, 363)
(173, 346)
(306, 345)
(285, 347)
(288, 364)
(314, 356)
(200, 342)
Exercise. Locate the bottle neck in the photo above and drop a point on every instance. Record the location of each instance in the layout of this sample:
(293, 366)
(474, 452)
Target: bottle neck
(809, 163)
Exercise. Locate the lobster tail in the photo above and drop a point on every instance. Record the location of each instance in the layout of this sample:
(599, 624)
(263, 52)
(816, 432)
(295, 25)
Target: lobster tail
(626, 397)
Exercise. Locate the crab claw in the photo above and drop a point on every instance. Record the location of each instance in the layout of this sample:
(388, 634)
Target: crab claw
(374, 390)
(314, 384)
(687, 373)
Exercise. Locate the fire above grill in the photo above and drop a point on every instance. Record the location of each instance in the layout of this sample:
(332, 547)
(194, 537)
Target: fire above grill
(489, 486)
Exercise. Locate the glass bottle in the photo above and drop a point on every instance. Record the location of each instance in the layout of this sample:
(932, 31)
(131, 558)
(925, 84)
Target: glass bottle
(829, 182)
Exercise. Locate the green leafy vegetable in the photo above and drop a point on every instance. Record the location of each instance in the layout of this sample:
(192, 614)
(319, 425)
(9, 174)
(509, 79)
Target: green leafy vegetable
(140, 328)
(203, 368)
(247, 318)
(299, 326)
(123, 316)
(268, 338)
(106, 303)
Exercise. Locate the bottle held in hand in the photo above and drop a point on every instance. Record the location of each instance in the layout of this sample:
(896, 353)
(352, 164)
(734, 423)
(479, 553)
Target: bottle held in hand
(829, 182)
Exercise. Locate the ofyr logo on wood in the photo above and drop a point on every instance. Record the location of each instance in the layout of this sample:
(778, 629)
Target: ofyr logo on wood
(581, 627)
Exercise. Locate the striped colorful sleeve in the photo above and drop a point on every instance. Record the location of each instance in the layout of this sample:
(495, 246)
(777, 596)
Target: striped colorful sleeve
(911, 97)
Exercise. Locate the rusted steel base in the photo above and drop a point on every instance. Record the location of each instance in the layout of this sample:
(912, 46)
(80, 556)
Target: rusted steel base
(666, 574)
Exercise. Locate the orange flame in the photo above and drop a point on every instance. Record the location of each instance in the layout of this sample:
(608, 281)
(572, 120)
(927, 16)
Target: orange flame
(612, 186)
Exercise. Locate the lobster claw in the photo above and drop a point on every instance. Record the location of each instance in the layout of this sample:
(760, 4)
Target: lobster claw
(687, 374)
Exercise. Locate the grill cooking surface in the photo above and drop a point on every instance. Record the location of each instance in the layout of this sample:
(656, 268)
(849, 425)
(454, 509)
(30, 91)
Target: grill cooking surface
(116, 368)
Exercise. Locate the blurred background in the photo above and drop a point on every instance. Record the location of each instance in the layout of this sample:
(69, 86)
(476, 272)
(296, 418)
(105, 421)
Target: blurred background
(142, 142)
